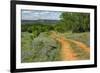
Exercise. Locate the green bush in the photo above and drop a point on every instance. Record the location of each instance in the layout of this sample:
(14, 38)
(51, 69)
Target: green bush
(40, 49)
(47, 49)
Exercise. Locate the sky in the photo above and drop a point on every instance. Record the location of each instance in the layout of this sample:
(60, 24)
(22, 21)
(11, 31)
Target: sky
(37, 14)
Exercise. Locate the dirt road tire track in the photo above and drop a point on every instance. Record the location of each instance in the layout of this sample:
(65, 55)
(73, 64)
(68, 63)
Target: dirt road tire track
(66, 52)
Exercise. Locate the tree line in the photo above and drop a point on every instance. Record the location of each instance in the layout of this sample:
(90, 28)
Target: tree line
(69, 21)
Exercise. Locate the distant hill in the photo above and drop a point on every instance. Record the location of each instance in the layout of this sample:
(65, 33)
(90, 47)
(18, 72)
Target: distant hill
(39, 21)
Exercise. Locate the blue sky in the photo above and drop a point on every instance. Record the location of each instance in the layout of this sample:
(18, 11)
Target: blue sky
(37, 14)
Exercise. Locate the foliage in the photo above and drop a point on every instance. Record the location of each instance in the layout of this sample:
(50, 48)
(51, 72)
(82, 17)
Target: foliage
(26, 45)
(76, 22)
(82, 37)
(43, 48)
(36, 28)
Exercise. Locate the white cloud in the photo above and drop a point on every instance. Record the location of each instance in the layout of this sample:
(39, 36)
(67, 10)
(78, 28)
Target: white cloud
(37, 14)
(26, 11)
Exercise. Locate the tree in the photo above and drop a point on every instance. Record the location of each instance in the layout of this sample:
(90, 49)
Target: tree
(75, 22)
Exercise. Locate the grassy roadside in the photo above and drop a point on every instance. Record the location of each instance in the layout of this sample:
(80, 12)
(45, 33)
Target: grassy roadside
(43, 48)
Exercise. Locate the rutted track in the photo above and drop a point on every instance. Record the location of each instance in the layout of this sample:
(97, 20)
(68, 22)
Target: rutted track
(66, 52)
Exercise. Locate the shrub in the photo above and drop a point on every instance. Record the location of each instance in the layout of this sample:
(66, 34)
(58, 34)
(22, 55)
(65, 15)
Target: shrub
(40, 49)
(46, 48)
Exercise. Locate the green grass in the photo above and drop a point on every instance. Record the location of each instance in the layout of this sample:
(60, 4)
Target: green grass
(43, 48)
(82, 37)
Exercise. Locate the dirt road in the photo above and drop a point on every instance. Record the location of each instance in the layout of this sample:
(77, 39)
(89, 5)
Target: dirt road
(66, 52)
